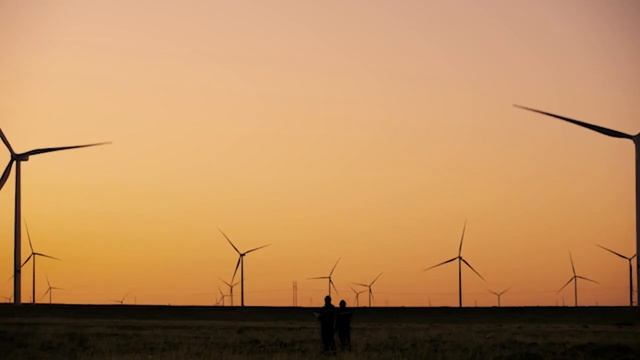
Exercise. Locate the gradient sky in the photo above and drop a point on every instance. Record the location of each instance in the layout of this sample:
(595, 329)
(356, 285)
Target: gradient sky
(368, 130)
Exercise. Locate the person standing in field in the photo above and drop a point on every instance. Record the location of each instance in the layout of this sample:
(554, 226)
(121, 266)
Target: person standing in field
(343, 326)
(327, 318)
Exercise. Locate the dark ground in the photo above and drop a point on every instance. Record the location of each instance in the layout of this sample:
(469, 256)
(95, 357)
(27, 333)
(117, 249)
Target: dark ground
(176, 332)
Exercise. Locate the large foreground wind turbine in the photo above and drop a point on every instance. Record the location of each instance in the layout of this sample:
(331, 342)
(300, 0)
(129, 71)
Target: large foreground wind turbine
(629, 259)
(329, 277)
(50, 290)
(461, 260)
(370, 289)
(19, 158)
(240, 264)
(499, 294)
(575, 279)
(33, 257)
(616, 134)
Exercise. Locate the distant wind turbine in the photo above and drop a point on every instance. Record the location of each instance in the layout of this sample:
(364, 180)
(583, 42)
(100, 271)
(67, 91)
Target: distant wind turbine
(629, 259)
(619, 135)
(370, 288)
(329, 278)
(240, 264)
(221, 299)
(230, 286)
(121, 301)
(19, 158)
(33, 257)
(357, 295)
(499, 294)
(461, 260)
(50, 290)
(575, 279)
(8, 298)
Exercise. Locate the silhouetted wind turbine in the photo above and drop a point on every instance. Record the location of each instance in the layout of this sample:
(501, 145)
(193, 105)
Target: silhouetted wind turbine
(222, 296)
(231, 286)
(499, 294)
(19, 158)
(329, 277)
(357, 294)
(619, 135)
(33, 257)
(575, 278)
(240, 264)
(121, 301)
(460, 261)
(8, 298)
(629, 259)
(50, 290)
(369, 286)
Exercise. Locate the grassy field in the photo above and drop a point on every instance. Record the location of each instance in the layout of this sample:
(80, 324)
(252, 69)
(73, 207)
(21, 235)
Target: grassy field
(162, 332)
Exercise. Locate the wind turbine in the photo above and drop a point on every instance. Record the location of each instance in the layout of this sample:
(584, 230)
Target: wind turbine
(19, 158)
(121, 301)
(461, 260)
(616, 134)
(357, 294)
(329, 277)
(499, 294)
(575, 278)
(8, 298)
(50, 290)
(369, 286)
(629, 259)
(240, 264)
(222, 296)
(33, 257)
(231, 286)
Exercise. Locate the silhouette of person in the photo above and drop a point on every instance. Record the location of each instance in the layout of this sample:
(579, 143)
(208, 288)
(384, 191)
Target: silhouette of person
(343, 326)
(327, 318)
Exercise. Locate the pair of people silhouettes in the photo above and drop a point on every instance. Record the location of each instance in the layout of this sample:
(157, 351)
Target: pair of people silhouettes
(334, 320)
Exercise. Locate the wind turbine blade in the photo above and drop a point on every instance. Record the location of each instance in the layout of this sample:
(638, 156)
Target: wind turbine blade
(45, 293)
(28, 235)
(596, 128)
(255, 249)
(586, 278)
(61, 148)
(229, 240)
(27, 260)
(6, 173)
(352, 289)
(6, 142)
(634, 255)
(442, 263)
(613, 252)
(334, 267)
(376, 279)
(573, 268)
(565, 285)
(224, 282)
(471, 267)
(237, 266)
(462, 238)
(493, 292)
(47, 256)
(318, 278)
(334, 287)
(505, 290)
(48, 283)
(361, 284)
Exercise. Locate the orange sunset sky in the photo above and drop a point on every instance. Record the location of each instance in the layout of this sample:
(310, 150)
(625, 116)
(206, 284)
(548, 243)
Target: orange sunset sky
(367, 130)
